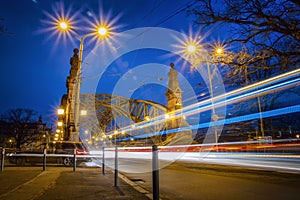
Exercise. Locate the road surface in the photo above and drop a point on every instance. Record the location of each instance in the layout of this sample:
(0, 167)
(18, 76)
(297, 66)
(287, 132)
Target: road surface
(207, 180)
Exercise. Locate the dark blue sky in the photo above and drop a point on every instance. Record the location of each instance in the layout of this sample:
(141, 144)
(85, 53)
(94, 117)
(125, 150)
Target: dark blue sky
(33, 69)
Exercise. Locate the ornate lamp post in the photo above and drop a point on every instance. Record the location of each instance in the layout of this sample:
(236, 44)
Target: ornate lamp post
(191, 50)
(74, 81)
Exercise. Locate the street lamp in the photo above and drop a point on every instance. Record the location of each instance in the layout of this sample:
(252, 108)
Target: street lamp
(101, 31)
(258, 104)
(259, 107)
(63, 25)
(214, 115)
(192, 50)
(219, 50)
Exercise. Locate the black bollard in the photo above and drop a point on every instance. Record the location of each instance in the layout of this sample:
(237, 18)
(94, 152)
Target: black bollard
(44, 159)
(74, 161)
(155, 173)
(2, 159)
(116, 167)
(103, 161)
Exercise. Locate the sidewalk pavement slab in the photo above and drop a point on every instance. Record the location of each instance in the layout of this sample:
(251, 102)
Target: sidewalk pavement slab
(61, 183)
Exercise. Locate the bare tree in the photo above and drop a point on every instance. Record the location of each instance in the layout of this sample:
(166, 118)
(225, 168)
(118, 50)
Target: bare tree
(19, 119)
(264, 34)
(263, 39)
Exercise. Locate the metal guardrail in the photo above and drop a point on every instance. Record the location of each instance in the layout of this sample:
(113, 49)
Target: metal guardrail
(44, 155)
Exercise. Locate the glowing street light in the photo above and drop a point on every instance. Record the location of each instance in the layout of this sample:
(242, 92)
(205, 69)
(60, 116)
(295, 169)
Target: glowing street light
(99, 31)
(102, 31)
(191, 48)
(60, 111)
(63, 25)
(219, 50)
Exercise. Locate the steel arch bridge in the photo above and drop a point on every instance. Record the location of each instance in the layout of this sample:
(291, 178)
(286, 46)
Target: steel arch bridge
(112, 112)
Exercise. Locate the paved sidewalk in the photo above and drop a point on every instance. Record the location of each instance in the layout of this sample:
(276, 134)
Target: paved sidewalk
(61, 183)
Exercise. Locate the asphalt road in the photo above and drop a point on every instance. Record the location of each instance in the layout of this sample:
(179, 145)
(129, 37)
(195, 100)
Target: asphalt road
(187, 180)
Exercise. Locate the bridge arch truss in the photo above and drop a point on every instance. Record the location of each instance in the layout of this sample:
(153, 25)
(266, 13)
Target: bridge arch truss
(106, 113)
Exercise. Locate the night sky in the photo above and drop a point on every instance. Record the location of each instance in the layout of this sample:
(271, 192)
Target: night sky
(34, 66)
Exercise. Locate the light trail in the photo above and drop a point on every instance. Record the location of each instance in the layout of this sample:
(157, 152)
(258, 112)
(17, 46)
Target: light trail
(274, 84)
(270, 113)
(247, 96)
(176, 148)
(274, 162)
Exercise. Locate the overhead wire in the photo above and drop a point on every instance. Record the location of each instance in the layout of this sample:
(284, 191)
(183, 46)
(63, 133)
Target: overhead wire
(174, 13)
(158, 5)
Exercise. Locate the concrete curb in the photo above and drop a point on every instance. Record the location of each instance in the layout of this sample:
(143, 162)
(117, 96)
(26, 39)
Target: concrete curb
(136, 186)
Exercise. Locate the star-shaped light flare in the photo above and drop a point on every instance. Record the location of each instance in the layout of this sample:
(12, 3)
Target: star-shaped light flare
(61, 23)
(103, 27)
(190, 47)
